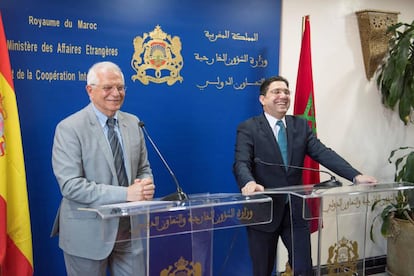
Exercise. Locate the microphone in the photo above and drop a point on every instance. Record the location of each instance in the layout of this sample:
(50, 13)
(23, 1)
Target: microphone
(179, 195)
(331, 183)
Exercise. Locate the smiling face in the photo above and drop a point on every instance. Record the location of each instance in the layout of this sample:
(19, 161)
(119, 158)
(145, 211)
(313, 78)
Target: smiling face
(276, 100)
(108, 93)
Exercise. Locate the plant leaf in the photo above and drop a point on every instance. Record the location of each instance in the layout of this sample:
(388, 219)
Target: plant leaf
(409, 163)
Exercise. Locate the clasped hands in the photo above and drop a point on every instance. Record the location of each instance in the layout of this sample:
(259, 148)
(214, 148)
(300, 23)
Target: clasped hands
(141, 189)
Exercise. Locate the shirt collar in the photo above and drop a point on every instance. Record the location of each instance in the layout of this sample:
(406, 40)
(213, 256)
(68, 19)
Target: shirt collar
(272, 120)
(102, 118)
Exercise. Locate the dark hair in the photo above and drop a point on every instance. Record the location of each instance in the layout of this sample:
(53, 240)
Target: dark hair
(266, 83)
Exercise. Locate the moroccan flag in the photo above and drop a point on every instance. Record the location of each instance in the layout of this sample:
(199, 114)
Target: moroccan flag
(15, 233)
(305, 107)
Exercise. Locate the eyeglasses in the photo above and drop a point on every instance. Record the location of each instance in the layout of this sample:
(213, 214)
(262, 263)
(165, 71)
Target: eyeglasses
(279, 91)
(109, 88)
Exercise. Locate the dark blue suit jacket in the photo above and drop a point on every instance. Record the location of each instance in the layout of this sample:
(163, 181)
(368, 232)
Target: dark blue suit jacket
(255, 139)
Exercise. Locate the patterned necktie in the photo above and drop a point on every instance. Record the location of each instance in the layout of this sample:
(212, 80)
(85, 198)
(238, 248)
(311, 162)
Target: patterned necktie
(117, 152)
(282, 140)
(124, 228)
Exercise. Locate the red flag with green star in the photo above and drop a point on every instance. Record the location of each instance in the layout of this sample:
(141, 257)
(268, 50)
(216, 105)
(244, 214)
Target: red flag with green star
(305, 107)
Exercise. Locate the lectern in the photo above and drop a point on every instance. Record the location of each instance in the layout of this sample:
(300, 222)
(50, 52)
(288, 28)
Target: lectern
(342, 249)
(177, 236)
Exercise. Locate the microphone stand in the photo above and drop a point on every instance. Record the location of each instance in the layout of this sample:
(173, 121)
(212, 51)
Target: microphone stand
(179, 195)
(331, 183)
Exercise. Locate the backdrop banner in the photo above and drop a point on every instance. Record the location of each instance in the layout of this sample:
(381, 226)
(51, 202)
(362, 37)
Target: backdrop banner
(192, 71)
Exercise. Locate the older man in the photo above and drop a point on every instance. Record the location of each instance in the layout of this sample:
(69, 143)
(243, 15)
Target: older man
(99, 157)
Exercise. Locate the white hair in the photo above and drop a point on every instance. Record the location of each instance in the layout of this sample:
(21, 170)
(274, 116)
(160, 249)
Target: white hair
(92, 76)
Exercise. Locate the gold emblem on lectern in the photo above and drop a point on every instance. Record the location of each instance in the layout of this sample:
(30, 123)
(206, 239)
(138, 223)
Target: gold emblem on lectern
(157, 58)
(343, 258)
(182, 268)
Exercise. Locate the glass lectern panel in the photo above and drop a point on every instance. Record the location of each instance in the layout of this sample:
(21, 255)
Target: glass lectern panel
(344, 218)
(344, 200)
(178, 235)
(201, 212)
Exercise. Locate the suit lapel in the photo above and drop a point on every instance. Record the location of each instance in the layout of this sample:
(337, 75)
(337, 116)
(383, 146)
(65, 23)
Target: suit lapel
(97, 131)
(289, 133)
(268, 133)
(267, 129)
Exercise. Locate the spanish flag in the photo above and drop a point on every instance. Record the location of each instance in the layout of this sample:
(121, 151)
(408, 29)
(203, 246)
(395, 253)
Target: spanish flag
(305, 107)
(15, 234)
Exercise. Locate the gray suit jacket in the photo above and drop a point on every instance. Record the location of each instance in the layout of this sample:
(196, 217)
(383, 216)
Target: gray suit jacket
(84, 168)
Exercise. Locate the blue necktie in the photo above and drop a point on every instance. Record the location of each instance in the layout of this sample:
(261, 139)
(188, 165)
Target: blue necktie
(117, 152)
(124, 228)
(282, 140)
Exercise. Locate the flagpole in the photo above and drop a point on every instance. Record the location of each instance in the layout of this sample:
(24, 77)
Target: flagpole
(319, 210)
(303, 24)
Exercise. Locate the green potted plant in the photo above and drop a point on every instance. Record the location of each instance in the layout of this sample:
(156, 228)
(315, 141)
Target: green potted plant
(395, 80)
(395, 77)
(401, 207)
(397, 216)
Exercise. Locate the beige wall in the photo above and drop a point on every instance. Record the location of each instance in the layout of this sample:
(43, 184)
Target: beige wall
(350, 116)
